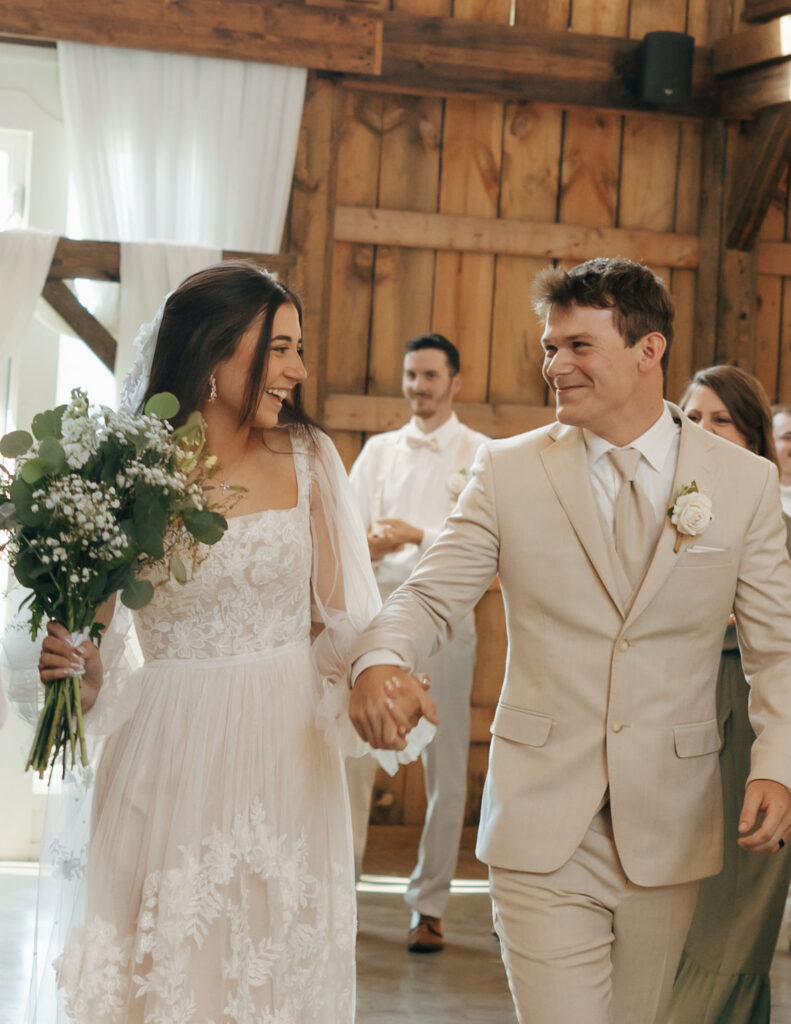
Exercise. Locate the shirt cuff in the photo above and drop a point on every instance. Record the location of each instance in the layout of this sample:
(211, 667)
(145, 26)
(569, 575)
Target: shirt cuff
(380, 656)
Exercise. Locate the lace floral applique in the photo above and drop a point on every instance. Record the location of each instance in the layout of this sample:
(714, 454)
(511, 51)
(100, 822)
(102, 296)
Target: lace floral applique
(210, 894)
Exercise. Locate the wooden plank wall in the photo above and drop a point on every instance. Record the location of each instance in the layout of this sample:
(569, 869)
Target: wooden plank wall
(530, 163)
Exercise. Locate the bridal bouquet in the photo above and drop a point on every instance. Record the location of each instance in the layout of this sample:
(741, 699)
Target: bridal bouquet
(95, 498)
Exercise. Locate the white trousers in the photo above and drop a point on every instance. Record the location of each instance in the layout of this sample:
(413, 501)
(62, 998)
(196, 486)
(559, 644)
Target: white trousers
(445, 775)
(584, 944)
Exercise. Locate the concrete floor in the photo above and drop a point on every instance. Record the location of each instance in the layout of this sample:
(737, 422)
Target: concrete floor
(464, 983)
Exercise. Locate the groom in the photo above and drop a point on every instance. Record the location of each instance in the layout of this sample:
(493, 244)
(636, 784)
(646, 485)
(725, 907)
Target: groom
(602, 807)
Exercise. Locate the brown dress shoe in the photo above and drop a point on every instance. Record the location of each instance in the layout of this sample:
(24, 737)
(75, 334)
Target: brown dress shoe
(427, 936)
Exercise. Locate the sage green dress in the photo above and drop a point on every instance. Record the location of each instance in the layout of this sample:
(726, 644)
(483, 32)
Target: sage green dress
(723, 977)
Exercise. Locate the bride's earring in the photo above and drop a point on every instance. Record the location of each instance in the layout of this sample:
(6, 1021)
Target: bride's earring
(212, 388)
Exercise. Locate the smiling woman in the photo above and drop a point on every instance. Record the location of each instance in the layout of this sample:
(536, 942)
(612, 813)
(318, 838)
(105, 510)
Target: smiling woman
(219, 871)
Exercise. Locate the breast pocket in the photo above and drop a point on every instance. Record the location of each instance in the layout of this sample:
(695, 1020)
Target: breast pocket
(702, 559)
(521, 726)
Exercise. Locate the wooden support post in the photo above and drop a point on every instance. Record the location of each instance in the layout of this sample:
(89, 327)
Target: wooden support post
(308, 230)
(757, 177)
(67, 305)
(712, 197)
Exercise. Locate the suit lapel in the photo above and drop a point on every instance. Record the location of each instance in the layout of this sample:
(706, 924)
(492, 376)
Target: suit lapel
(692, 464)
(566, 466)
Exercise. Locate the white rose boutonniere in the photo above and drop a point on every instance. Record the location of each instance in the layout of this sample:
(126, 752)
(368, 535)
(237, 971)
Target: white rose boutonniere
(690, 514)
(457, 482)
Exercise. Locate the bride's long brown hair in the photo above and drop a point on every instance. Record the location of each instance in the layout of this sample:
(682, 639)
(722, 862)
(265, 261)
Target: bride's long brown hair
(202, 324)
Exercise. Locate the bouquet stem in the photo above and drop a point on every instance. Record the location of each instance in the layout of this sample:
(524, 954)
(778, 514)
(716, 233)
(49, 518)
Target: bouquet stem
(60, 723)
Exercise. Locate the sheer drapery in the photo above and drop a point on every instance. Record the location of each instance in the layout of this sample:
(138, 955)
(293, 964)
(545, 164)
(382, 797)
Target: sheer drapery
(188, 149)
(193, 150)
(25, 259)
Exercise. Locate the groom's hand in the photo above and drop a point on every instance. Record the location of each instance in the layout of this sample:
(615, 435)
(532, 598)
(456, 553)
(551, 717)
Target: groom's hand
(774, 801)
(387, 702)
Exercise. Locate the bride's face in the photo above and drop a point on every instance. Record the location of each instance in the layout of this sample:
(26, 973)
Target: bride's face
(284, 368)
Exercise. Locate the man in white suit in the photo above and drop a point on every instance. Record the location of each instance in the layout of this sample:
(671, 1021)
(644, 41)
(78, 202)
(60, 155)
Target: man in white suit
(602, 807)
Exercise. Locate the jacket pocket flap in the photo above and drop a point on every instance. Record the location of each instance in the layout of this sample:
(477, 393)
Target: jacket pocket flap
(697, 739)
(528, 727)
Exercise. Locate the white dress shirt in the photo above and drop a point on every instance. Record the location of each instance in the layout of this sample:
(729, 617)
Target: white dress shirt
(658, 447)
(785, 498)
(416, 471)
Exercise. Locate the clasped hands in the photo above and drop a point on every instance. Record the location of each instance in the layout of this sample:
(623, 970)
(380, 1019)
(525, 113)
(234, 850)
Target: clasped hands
(386, 702)
(388, 535)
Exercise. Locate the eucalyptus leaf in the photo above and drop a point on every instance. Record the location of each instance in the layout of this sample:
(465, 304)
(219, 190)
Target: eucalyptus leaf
(164, 405)
(206, 527)
(149, 520)
(15, 444)
(47, 424)
(137, 594)
(34, 470)
(177, 568)
(21, 494)
(51, 452)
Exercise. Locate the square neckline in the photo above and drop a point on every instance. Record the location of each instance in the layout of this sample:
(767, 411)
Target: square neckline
(296, 453)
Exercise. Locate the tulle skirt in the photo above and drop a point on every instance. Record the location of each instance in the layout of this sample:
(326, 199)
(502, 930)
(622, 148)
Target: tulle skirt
(219, 884)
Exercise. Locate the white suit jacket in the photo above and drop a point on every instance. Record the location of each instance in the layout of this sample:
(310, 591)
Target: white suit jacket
(597, 694)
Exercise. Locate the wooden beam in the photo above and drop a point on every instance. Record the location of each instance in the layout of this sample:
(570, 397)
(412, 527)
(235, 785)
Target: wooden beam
(86, 326)
(757, 45)
(101, 261)
(510, 237)
(375, 413)
(397, 50)
(759, 10)
(328, 38)
(442, 56)
(756, 179)
(743, 95)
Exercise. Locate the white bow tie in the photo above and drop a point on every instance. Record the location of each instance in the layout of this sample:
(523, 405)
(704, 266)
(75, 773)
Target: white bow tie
(422, 442)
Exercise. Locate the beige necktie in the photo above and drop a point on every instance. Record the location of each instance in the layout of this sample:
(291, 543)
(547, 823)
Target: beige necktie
(422, 442)
(634, 521)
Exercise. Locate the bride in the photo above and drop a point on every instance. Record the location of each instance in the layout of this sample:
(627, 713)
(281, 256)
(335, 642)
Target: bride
(219, 882)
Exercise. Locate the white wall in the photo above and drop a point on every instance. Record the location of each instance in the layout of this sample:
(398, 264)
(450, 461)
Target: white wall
(30, 100)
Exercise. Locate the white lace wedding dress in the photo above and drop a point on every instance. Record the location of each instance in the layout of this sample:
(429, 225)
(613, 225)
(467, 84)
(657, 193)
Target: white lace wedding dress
(219, 880)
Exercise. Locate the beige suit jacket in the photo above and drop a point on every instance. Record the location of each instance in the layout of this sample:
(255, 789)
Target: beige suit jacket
(596, 694)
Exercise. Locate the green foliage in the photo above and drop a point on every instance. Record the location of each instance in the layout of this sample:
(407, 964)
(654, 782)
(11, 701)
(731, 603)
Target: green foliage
(137, 594)
(15, 444)
(49, 423)
(164, 405)
(205, 526)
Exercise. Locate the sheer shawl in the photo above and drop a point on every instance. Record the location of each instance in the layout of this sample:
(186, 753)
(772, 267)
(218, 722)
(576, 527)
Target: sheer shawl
(345, 598)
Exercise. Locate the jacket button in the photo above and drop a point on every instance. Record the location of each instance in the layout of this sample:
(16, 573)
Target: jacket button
(624, 645)
(616, 725)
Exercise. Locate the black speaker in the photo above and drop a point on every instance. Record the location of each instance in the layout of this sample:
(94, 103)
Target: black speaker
(666, 68)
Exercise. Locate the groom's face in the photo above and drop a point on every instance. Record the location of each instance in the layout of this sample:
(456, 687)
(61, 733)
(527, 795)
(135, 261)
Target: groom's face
(590, 368)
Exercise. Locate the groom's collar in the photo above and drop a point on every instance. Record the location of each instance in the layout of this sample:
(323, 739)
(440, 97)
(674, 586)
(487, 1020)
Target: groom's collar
(654, 445)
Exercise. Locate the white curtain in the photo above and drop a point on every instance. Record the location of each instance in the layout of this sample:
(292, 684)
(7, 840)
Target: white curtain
(191, 150)
(177, 148)
(25, 259)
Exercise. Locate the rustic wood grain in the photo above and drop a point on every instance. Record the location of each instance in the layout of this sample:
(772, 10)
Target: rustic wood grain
(334, 39)
(462, 234)
(373, 414)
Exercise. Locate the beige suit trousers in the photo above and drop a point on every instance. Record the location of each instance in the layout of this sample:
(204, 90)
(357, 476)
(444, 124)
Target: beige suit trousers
(583, 944)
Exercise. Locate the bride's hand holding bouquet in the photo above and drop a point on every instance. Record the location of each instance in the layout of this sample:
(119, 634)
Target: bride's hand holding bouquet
(95, 498)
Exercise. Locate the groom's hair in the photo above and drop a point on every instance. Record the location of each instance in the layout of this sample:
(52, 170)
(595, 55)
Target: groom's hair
(639, 301)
